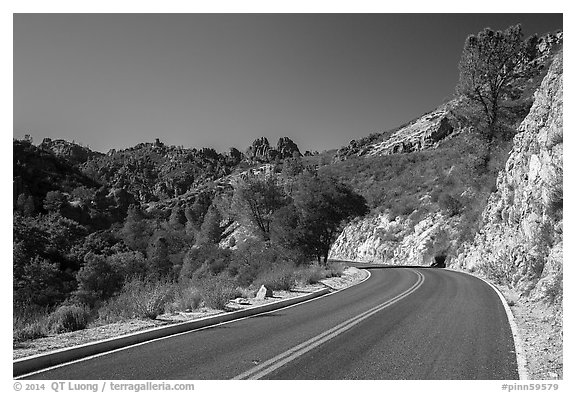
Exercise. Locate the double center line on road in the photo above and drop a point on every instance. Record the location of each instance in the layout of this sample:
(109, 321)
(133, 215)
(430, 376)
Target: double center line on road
(278, 361)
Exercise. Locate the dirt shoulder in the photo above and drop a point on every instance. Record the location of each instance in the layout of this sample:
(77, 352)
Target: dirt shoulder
(540, 328)
(350, 276)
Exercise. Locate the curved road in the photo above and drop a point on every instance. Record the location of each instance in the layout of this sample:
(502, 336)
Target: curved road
(402, 323)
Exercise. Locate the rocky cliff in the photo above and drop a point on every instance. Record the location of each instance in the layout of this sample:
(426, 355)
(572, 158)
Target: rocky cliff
(412, 240)
(520, 242)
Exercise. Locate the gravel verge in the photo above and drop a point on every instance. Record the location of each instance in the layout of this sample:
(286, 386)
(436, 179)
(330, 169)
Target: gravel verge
(540, 329)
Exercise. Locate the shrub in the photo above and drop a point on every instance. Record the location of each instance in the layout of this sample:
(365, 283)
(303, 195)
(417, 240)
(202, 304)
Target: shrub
(216, 292)
(139, 298)
(253, 258)
(556, 196)
(128, 264)
(335, 269)
(450, 203)
(497, 270)
(30, 331)
(310, 275)
(29, 322)
(554, 291)
(149, 297)
(69, 318)
(246, 292)
(185, 298)
(556, 139)
(278, 278)
(114, 310)
(206, 259)
(97, 280)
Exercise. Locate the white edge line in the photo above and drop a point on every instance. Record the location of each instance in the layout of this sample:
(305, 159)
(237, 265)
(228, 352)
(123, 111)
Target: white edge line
(178, 334)
(521, 360)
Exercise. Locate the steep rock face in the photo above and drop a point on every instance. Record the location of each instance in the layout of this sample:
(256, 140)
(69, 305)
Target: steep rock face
(259, 149)
(520, 242)
(411, 240)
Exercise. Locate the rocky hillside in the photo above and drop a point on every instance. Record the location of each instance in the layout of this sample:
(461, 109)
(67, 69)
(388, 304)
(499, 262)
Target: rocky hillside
(428, 130)
(38, 170)
(154, 171)
(522, 223)
(421, 133)
(71, 152)
(520, 242)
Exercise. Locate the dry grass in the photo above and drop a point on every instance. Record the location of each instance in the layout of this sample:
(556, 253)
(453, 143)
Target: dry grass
(139, 298)
(29, 323)
(216, 292)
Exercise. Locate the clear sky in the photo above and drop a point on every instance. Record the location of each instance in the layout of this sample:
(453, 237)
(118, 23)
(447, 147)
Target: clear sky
(222, 80)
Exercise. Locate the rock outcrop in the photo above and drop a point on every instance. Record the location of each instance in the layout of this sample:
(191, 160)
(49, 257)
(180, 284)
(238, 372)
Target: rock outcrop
(520, 242)
(422, 133)
(287, 148)
(411, 240)
(261, 151)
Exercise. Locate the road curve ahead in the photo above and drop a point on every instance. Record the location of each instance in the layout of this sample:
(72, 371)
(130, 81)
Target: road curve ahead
(402, 323)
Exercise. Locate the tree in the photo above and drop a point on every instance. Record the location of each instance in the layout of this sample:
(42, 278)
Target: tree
(491, 63)
(36, 281)
(63, 233)
(97, 280)
(128, 264)
(211, 231)
(196, 212)
(285, 229)
(55, 201)
(158, 261)
(84, 194)
(25, 204)
(323, 204)
(258, 199)
(177, 219)
(135, 231)
(292, 167)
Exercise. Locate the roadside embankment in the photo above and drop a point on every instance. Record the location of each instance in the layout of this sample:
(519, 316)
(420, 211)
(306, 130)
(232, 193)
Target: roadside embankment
(350, 276)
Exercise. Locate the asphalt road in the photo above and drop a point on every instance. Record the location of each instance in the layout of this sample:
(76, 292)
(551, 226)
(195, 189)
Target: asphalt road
(402, 323)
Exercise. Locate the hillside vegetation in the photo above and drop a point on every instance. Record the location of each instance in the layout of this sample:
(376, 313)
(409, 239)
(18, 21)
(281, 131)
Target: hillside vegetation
(95, 233)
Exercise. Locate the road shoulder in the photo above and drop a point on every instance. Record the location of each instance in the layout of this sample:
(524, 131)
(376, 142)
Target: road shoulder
(539, 332)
